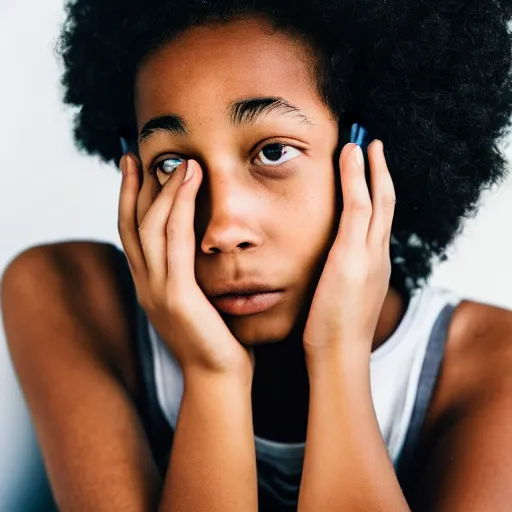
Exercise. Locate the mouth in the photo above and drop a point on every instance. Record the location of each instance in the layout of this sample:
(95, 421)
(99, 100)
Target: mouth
(247, 303)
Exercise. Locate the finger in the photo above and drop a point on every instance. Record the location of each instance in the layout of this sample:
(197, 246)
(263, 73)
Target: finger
(357, 204)
(180, 229)
(383, 196)
(152, 230)
(127, 217)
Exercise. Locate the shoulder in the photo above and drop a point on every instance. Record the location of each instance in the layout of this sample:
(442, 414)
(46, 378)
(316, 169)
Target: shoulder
(66, 257)
(86, 281)
(478, 354)
(477, 364)
(86, 255)
(467, 430)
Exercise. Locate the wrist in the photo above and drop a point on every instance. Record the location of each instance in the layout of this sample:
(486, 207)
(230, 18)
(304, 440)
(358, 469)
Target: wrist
(237, 367)
(335, 358)
(237, 380)
(218, 398)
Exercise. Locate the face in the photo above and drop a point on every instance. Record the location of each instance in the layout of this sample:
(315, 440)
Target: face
(266, 208)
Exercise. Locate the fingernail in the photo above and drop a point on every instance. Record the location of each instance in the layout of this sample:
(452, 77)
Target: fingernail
(359, 154)
(190, 171)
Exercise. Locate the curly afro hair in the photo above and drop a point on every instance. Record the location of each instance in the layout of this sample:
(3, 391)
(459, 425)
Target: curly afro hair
(431, 79)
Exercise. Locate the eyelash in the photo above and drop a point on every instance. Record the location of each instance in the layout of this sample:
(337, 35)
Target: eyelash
(283, 144)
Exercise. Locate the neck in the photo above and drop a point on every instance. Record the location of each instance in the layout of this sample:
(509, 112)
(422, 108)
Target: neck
(280, 390)
(393, 310)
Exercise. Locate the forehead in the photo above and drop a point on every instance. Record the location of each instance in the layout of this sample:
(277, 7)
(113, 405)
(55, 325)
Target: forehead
(207, 67)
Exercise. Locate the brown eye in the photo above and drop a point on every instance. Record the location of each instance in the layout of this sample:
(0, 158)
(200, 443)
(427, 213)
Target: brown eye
(277, 153)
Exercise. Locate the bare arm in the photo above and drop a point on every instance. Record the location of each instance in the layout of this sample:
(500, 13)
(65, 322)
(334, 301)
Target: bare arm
(346, 464)
(212, 466)
(64, 319)
(469, 460)
(468, 463)
(66, 322)
(469, 467)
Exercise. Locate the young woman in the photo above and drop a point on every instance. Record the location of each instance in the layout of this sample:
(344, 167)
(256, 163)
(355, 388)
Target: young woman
(266, 339)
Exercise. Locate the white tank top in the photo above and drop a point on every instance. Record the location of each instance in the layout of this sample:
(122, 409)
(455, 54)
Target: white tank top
(395, 369)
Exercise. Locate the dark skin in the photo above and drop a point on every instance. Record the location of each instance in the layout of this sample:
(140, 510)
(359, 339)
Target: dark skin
(298, 236)
(82, 336)
(280, 406)
(243, 219)
(475, 377)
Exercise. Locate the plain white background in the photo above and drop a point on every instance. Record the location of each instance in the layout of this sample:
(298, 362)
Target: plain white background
(49, 192)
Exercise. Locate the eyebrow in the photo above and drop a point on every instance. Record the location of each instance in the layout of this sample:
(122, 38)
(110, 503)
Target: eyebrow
(240, 112)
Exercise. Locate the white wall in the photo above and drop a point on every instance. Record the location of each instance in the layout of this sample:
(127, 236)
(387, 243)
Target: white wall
(49, 192)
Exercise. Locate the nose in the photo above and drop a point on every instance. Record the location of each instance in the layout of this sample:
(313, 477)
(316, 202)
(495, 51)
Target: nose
(230, 216)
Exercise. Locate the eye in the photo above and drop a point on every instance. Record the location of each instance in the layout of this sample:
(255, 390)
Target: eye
(273, 154)
(278, 153)
(167, 166)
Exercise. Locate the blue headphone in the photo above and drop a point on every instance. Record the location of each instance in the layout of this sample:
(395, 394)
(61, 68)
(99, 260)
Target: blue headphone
(359, 135)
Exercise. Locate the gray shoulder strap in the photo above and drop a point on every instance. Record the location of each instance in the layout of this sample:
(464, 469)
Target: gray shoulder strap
(410, 455)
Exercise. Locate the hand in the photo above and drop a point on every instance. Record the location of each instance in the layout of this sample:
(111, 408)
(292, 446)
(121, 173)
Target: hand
(160, 253)
(351, 291)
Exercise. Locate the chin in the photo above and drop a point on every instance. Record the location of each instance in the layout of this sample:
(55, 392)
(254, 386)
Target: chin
(257, 330)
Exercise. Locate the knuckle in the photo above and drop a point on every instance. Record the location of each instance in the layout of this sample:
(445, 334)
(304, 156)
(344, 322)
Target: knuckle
(145, 230)
(388, 203)
(360, 207)
(172, 233)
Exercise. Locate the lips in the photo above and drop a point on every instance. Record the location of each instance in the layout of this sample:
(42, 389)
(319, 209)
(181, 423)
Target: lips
(247, 304)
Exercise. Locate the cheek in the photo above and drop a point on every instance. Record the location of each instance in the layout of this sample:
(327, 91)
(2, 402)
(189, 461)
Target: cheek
(318, 205)
(310, 218)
